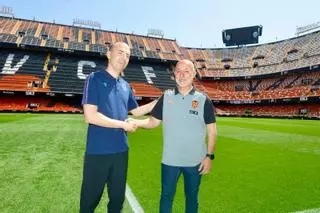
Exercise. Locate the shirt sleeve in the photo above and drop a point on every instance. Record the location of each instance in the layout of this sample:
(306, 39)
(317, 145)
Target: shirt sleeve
(209, 112)
(157, 109)
(132, 102)
(90, 92)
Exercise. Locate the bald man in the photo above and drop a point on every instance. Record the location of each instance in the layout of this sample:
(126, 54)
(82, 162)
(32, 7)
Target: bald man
(187, 116)
(107, 99)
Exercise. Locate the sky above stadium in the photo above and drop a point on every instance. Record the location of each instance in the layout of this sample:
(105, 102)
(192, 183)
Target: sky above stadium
(191, 23)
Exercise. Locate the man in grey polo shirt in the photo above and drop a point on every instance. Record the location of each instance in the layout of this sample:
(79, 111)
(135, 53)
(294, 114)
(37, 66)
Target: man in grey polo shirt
(187, 116)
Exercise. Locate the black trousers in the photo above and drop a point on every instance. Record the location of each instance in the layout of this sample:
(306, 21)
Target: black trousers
(99, 170)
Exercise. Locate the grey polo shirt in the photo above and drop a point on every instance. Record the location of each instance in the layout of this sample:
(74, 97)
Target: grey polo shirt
(184, 126)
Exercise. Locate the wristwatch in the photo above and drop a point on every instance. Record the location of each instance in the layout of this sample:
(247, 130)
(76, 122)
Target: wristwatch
(211, 156)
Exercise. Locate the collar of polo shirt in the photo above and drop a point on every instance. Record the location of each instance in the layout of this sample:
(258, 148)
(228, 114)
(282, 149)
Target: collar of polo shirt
(176, 91)
(109, 76)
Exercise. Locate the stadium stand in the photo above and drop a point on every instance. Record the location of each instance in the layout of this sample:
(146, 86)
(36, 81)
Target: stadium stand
(43, 67)
(27, 70)
(283, 110)
(37, 104)
(257, 60)
(289, 86)
(34, 33)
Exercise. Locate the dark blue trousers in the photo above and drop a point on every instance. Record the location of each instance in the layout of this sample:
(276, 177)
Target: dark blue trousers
(169, 179)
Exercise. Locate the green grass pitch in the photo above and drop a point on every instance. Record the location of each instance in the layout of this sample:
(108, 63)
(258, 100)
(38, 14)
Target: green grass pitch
(261, 165)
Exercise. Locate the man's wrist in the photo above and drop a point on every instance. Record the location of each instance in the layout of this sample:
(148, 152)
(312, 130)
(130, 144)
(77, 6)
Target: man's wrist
(210, 156)
(123, 124)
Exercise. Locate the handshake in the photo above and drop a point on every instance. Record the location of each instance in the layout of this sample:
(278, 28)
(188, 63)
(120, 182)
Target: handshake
(130, 125)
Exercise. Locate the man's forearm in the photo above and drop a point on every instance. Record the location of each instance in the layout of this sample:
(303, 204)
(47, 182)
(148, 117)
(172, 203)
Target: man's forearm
(142, 123)
(147, 123)
(145, 109)
(212, 137)
(104, 121)
(211, 143)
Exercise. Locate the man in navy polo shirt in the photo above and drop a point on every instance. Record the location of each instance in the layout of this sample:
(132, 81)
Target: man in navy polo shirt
(187, 116)
(107, 99)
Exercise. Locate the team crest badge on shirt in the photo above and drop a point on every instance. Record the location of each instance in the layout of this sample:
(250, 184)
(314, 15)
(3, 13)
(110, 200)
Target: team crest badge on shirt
(170, 101)
(195, 104)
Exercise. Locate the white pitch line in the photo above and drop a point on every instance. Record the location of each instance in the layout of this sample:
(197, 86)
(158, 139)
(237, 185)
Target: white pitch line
(308, 211)
(133, 202)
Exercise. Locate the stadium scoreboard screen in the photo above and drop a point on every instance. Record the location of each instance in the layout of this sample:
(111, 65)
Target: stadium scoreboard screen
(242, 36)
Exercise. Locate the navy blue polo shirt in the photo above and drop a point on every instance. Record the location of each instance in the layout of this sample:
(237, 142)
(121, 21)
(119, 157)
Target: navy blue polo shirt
(114, 98)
